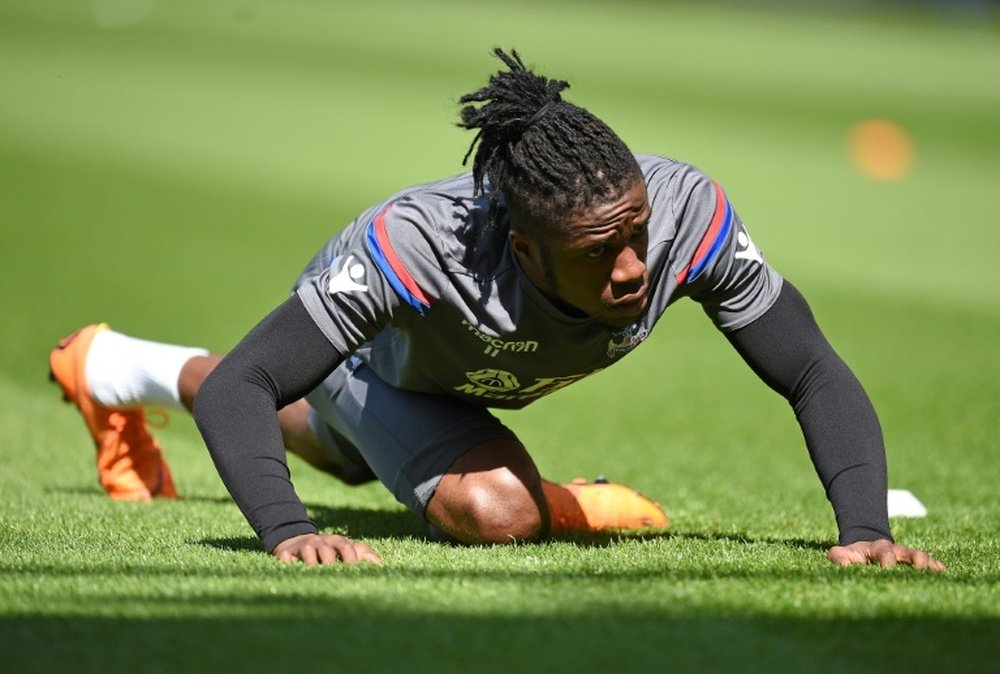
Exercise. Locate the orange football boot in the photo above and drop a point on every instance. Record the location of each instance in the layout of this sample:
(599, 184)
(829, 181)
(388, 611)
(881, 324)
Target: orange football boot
(600, 506)
(130, 465)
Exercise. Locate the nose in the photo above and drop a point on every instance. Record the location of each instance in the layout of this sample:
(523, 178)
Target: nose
(629, 268)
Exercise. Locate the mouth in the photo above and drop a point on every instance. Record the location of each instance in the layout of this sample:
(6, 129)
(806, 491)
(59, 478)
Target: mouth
(631, 305)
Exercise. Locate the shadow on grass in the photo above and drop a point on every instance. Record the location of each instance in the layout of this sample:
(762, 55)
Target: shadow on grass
(478, 570)
(608, 539)
(798, 543)
(352, 634)
(356, 522)
(402, 524)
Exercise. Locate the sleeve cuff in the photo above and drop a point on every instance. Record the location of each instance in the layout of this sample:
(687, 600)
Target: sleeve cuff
(855, 534)
(273, 538)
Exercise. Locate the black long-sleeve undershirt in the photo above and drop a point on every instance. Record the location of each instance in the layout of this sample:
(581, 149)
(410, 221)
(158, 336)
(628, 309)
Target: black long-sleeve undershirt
(286, 355)
(787, 350)
(283, 358)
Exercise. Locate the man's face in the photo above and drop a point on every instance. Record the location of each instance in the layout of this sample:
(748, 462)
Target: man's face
(596, 263)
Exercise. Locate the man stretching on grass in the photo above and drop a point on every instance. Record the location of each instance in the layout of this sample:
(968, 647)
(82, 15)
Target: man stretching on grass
(551, 261)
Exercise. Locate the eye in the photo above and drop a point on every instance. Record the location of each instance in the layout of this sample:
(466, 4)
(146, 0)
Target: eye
(595, 253)
(639, 231)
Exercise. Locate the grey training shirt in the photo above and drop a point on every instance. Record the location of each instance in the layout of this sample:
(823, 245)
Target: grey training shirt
(432, 298)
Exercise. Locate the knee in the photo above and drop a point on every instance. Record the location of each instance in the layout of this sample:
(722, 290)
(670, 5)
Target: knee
(498, 509)
(506, 512)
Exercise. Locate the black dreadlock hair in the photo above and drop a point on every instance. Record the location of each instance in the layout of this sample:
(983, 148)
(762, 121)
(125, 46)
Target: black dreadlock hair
(543, 155)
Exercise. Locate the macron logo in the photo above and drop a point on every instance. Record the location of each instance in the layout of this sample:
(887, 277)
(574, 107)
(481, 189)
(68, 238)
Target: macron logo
(747, 251)
(349, 279)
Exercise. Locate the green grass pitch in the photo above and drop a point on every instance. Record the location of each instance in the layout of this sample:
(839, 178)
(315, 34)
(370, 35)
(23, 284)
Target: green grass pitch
(169, 167)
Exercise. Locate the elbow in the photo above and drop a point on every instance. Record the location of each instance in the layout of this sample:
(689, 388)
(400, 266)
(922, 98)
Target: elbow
(206, 401)
(231, 391)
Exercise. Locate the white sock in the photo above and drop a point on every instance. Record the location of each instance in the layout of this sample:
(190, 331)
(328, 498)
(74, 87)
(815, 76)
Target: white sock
(123, 371)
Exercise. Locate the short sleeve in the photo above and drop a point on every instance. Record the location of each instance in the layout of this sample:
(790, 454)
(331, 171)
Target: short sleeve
(716, 263)
(384, 272)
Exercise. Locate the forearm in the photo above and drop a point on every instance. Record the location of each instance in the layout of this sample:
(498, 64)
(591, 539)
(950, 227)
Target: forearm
(788, 351)
(279, 361)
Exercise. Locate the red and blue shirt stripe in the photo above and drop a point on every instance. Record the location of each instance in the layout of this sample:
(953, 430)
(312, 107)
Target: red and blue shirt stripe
(385, 257)
(713, 240)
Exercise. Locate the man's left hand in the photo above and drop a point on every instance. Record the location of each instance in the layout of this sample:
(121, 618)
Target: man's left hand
(884, 553)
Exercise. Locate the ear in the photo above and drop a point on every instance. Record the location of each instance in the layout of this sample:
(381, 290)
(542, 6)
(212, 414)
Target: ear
(526, 250)
(530, 256)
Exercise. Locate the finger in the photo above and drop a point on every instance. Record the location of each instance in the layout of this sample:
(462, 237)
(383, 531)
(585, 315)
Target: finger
(345, 548)
(286, 557)
(885, 555)
(327, 554)
(366, 554)
(918, 558)
(838, 555)
(922, 560)
(307, 553)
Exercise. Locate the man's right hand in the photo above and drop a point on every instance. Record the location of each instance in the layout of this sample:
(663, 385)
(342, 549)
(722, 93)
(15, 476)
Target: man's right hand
(313, 549)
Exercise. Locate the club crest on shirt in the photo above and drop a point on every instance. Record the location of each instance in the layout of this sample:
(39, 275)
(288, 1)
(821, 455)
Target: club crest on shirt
(626, 339)
(494, 380)
(496, 384)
